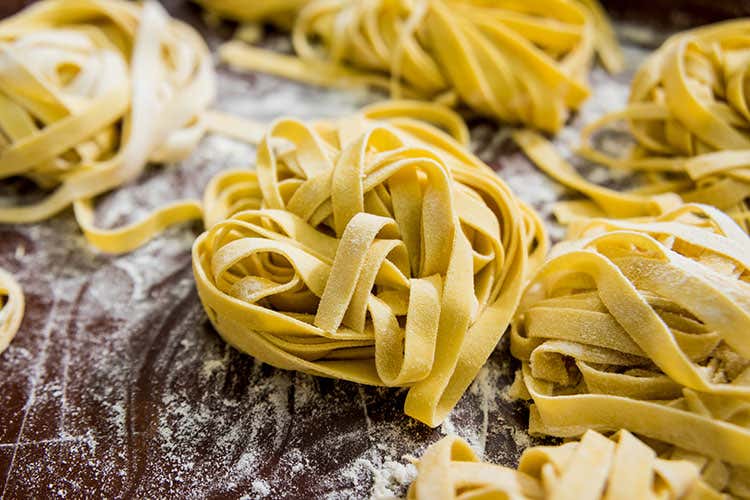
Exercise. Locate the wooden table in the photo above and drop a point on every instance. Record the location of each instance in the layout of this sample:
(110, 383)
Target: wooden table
(117, 386)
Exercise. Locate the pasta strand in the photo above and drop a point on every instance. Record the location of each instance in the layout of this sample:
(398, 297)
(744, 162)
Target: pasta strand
(11, 308)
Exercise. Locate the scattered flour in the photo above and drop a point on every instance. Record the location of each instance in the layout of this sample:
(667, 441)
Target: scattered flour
(261, 488)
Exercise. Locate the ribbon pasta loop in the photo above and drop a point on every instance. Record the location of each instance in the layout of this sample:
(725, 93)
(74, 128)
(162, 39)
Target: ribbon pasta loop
(90, 91)
(644, 326)
(373, 249)
(519, 62)
(620, 467)
(11, 308)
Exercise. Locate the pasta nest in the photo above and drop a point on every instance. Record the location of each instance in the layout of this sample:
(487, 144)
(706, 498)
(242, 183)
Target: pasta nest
(11, 308)
(519, 62)
(644, 326)
(373, 249)
(90, 91)
(689, 118)
(620, 467)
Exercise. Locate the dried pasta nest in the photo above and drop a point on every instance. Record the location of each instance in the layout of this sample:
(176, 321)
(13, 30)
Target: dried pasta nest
(373, 249)
(645, 326)
(519, 62)
(686, 129)
(11, 308)
(620, 467)
(90, 91)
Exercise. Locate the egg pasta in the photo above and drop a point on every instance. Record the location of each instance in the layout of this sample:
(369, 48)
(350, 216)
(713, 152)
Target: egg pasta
(374, 249)
(620, 467)
(689, 122)
(519, 62)
(90, 91)
(644, 326)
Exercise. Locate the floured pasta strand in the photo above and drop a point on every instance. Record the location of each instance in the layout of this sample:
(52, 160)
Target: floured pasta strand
(11, 308)
(620, 467)
(374, 249)
(646, 327)
(90, 91)
(689, 119)
(520, 62)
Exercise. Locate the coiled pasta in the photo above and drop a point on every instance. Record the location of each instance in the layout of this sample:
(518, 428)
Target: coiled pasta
(90, 91)
(596, 467)
(373, 249)
(689, 119)
(644, 326)
(519, 62)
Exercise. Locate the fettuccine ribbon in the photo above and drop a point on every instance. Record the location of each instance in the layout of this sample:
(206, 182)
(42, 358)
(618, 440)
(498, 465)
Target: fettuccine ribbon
(11, 309)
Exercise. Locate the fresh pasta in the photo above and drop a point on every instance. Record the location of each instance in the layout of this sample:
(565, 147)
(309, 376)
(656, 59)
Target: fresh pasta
(281, 12)
(11, 308)
(620, 467)
(374, 249)
(689, 119)
(519, 62)
(644, 326)
(90, 91)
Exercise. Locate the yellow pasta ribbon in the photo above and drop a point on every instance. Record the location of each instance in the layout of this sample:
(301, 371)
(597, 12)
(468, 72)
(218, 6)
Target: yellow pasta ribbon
(374, 249)
(280, 12)
(689, 119)
(90, 91)
(620, 467)
(645, 326)
(519, 62)
(11, 309)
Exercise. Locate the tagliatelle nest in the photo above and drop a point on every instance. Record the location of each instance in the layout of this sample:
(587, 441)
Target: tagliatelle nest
(645, 326)
(617, 468)
(688, 117)
(90, 91)
(373, 249)
(520, 62)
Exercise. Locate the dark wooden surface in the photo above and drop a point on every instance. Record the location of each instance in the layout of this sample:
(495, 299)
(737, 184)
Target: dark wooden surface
(117, 386)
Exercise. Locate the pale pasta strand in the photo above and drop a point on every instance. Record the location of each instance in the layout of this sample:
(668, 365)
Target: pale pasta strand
(620, 467)
(689, 118)
(520, 62)
(373, 249)
(90, 91)
(11, 309)
(646, 327)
